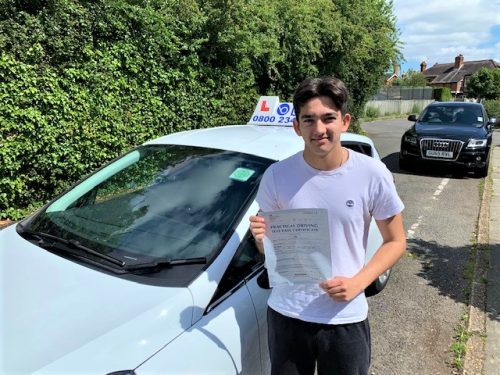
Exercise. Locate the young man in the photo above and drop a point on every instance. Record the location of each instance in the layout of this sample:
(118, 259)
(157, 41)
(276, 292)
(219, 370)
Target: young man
(325, 326)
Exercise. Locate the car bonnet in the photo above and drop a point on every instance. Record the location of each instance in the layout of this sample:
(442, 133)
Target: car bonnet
(58, 316)
(443, 131)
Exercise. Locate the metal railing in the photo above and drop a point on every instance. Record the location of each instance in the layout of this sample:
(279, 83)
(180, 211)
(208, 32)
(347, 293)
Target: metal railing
(403, 93)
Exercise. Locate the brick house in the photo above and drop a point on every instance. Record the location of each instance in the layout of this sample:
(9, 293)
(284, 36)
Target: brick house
(390, 78)
(454, 75)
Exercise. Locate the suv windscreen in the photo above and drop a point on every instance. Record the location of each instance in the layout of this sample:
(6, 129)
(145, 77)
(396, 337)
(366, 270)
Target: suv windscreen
(157, 202)
(453, 115)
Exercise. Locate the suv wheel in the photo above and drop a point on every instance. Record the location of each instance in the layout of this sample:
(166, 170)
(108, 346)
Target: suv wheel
(482, 171)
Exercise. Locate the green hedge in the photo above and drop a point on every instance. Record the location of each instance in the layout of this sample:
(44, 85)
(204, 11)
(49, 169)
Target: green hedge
(442, 94)
(372, 112)
(58, 127)
(492, 107)
(82, 81)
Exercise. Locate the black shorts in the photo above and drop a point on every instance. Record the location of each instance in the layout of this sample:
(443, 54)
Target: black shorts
(299, 347)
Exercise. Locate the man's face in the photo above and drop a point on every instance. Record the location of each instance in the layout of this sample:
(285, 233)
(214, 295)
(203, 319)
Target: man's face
(320, 125)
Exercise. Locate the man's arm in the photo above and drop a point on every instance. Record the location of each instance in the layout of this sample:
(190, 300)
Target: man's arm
(392, 248)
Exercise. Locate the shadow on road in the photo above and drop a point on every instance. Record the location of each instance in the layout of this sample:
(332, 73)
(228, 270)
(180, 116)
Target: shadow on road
(426, 169)
(448, 269)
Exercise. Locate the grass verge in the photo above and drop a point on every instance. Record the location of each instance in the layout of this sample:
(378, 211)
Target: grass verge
(459, 346)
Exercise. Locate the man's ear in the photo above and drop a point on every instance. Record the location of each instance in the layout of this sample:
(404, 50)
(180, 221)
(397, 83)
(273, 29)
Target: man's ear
(296, 127)
(346, 121)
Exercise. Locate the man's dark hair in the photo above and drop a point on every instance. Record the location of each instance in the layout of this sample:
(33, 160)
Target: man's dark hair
(331, 87)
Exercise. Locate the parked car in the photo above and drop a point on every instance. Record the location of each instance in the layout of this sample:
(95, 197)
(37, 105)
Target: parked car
(454, 133)
(147, 266)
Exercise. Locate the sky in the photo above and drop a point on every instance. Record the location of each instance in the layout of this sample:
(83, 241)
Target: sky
(436, 31)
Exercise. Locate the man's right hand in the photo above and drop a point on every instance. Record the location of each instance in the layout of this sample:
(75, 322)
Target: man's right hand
(258, 229)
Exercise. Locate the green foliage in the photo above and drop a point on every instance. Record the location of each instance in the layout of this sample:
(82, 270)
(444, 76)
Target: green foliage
(369, 44)
(484, 84)
(416, 108)
(82, 81)
(411, 79)
(442, 94)
(372, 112)
(492, 107)
(459, 345)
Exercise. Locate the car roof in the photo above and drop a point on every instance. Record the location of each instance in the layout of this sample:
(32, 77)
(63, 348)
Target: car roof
(272, 142)
(455, 104)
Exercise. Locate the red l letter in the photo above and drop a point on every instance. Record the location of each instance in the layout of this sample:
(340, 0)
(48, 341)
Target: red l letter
(264, 107)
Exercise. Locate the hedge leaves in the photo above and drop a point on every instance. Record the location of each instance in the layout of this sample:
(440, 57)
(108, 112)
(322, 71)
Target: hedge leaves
(83, 81)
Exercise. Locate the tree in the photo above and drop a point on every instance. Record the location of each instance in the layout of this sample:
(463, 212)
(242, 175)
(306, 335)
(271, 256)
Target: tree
(484, 84)
(369, 45)
(81, 81)
(412, 78)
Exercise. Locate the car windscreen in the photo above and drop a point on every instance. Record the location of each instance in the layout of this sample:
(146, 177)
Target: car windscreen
(157, 202)
(452, 115)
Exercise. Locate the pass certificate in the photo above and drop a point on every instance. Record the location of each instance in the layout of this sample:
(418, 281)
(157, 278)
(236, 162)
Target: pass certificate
(297, 246)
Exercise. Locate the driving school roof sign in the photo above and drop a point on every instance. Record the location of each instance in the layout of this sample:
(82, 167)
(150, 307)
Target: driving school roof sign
(269, 111)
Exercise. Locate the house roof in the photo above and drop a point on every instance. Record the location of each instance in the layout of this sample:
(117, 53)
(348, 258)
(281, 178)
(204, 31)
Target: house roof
(389, 77)
(447, 73)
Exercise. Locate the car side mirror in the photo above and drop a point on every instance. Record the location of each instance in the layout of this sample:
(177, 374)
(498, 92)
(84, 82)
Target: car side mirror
(493, 121)
(412, 118)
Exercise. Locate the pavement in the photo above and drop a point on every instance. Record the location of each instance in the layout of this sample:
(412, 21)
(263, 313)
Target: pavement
(492, 345)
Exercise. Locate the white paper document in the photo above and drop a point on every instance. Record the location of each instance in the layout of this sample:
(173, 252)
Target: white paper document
(297, 246)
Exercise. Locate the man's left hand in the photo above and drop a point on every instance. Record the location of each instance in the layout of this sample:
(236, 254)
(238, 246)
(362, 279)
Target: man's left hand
(342, 289)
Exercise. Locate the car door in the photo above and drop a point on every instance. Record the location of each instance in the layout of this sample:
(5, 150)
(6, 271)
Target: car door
(257, 283)
(240, 281)
(228, 337)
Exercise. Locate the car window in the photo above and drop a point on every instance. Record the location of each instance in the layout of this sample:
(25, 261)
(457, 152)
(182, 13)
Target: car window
(452, 115)
(159, 201)
(468, 116)
(247, 261)
(437, 115)
(362, 148)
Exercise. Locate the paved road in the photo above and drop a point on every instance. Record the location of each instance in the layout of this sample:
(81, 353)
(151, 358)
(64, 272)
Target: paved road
(414, 320)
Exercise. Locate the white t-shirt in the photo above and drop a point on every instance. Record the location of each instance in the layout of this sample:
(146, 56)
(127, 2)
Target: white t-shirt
(359, 189)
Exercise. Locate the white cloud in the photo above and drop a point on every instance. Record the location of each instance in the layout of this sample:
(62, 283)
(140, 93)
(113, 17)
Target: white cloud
(437, 31)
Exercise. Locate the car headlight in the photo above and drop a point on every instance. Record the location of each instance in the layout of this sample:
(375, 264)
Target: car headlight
(410, 139)
(476, 143)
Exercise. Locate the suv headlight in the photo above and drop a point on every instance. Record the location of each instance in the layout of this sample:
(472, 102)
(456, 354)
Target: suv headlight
(476, 143)
(410, 139)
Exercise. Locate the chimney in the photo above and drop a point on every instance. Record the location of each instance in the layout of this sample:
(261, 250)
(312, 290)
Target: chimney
(459, 61)
(396, 69)
(423, 66)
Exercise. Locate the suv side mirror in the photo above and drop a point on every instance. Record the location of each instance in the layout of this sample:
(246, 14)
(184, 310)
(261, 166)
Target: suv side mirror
(493, 121)
(412, 118)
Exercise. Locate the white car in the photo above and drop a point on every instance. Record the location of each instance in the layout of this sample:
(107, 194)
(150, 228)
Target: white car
(147, 266)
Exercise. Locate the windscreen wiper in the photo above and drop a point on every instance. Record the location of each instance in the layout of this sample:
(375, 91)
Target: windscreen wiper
(163, 263)
(72, 247)
(69, 246)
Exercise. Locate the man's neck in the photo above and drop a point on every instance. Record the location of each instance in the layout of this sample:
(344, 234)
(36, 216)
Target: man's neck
(329, 162)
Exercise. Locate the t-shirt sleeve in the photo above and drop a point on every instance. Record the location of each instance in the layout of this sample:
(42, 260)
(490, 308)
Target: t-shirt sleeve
(266, 194)
(385, 199)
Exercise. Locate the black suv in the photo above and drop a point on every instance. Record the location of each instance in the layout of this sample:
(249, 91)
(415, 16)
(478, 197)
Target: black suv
(449, 132)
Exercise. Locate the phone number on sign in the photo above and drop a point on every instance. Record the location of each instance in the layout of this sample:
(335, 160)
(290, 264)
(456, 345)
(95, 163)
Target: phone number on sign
(281, 119)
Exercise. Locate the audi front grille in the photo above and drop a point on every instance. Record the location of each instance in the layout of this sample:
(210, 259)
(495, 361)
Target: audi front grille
(440, 149)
